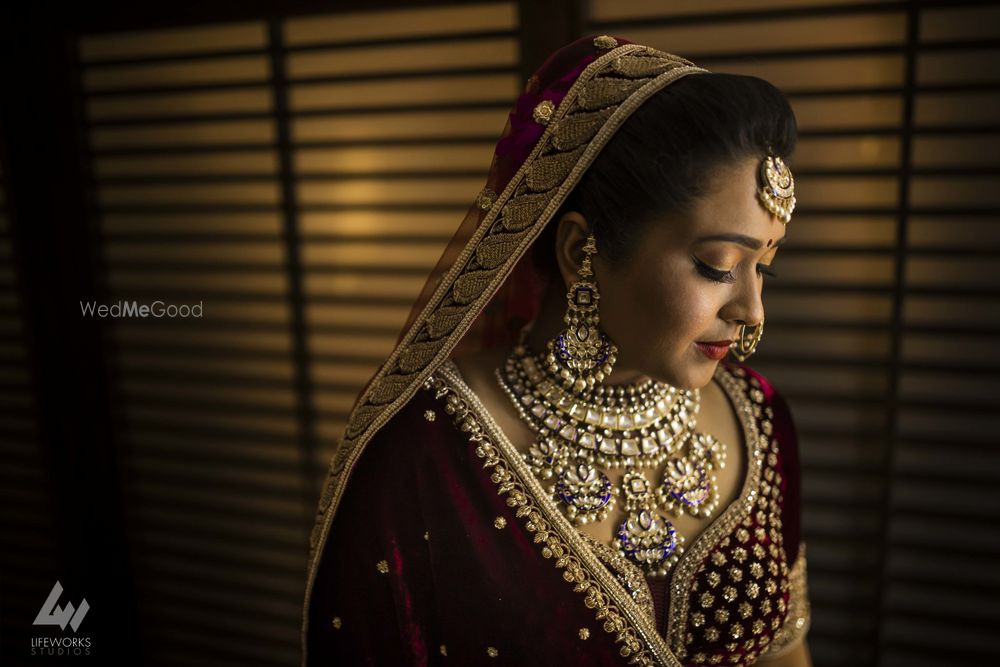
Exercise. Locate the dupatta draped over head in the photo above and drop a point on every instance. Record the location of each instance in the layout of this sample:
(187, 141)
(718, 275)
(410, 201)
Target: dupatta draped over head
(484, 288)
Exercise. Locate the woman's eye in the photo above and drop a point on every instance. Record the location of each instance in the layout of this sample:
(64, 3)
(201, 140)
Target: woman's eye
(766, 270)
(712, 273)
(720, 276)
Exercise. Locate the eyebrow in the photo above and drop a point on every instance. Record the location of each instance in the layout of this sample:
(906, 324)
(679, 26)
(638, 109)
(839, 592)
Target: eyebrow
(748, 241)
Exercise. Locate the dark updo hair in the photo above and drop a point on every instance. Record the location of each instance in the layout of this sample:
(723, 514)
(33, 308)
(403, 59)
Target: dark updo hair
(660, 160)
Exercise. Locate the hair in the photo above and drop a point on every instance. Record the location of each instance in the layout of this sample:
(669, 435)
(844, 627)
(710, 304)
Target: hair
(662, 158)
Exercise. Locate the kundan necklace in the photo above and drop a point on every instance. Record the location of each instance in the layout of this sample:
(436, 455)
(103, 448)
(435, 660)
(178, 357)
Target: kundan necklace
(581, 432)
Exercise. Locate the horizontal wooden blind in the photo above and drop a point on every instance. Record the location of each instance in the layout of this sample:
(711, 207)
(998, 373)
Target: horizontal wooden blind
(878, 323)
(31, 541)
(941, 580)
(298, 178)
(185, 166)
(393, 117)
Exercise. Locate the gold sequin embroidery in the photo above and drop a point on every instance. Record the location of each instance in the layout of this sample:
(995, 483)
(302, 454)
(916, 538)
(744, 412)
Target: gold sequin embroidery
(499, 523)
(798, 608)
(605, 42)
(429, 415)
(542, 113)
(485, 199)
(337, 623)
(584, 633)
(382, 566)
(492, 652)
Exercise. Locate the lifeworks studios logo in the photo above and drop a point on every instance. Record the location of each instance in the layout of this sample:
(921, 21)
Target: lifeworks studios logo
(52, 614)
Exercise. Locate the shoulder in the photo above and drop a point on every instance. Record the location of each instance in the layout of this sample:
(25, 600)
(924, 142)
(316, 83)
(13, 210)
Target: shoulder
(406, 444)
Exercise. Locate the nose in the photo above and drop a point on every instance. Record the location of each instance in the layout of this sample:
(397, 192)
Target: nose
(746, 305)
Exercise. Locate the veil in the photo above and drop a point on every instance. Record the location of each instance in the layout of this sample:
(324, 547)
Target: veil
(484, 287)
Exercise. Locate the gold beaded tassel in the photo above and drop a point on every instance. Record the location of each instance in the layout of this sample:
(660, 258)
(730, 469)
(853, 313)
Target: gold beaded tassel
(582, 356)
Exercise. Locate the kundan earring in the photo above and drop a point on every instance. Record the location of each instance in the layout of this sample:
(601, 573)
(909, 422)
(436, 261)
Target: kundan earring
(746, 343)
(582, 355)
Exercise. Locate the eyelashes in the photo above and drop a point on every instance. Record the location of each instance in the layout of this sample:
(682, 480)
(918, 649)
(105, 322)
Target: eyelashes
(720, 276)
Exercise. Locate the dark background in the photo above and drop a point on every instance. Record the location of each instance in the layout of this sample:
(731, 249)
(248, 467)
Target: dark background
(168, 472)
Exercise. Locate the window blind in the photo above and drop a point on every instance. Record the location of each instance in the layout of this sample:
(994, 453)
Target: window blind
(186, 185)
(30, 538)
(939, 602)
(880, 323)
(298, 178)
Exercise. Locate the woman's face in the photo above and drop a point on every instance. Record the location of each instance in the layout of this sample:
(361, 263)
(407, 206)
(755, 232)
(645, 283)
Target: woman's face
(691, 280)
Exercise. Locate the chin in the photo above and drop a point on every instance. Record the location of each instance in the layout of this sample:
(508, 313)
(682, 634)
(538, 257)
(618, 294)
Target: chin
(687, 377)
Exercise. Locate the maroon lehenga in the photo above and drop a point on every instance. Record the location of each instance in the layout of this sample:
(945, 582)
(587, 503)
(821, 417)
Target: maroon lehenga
(435, 544)
(443, 552)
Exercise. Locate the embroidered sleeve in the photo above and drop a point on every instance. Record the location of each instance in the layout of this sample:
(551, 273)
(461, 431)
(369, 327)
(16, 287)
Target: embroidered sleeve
(797, 621)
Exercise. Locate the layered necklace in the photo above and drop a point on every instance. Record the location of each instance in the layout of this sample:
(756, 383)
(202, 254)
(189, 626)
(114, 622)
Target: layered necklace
(584, 431)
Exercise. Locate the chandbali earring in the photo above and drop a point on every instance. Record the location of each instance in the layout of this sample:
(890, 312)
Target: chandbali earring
(582, 355)
(746, 343)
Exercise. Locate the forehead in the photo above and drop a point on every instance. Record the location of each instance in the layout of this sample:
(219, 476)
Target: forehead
(730, 205)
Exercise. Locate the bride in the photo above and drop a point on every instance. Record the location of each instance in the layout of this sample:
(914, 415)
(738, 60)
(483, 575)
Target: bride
(557, 464)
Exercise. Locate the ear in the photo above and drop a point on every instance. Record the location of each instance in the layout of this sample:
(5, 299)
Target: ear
(571, 235)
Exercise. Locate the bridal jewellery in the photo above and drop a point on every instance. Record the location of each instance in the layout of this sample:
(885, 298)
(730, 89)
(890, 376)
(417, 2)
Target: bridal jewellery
(746, 342)
(585, 429)
(582, 355)
(777, 191)
(777, 194)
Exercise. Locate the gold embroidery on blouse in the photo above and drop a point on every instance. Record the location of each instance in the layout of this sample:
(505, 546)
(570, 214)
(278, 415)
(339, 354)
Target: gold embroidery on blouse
(627, 573)
(444, 650)
(337, 623)
(499, 523)
(799, 608)
(429, 415)
(717, 533)
(623, 619)
(492, 652)
(383, 566)
(584, 633)
(782, 626)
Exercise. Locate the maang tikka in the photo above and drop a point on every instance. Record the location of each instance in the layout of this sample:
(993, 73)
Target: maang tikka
(582, 355)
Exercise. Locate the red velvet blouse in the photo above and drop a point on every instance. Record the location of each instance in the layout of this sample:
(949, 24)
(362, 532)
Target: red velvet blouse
(445, 550)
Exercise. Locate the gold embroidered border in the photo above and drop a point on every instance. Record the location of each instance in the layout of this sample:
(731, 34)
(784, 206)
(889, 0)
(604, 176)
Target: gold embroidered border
(423, 357)
(627, 572)
(799, 614)
(630, 625)
(687, 567)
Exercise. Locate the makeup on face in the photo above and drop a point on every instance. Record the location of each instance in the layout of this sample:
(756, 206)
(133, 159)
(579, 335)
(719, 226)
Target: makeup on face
(710, 266)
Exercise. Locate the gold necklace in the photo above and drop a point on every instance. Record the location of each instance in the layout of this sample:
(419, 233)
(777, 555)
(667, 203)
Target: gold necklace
(582, 433)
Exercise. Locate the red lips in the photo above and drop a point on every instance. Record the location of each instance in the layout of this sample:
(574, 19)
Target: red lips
(715, 350)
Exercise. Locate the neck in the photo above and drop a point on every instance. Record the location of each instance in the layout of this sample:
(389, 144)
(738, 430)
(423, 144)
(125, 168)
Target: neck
(549, 323)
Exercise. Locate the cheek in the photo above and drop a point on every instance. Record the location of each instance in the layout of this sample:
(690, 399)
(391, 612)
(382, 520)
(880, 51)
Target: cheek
(685, 306)
(655, 318)
(658, 314)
